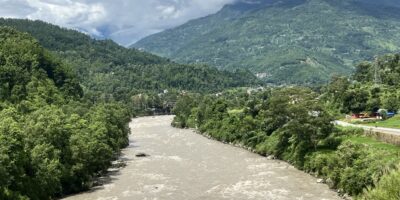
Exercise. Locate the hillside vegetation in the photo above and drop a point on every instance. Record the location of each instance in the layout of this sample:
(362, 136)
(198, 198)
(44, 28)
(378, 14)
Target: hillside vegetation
(290, 41)
(52, 141)
(108, 71)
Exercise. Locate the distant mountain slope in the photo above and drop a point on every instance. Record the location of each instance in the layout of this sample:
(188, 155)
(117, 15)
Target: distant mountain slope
(108, 70)
(285, 41)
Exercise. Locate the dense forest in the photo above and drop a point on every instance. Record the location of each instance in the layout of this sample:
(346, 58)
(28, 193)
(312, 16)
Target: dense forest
(295, 124)
(53, 141)
(108, 71)
(285, 42)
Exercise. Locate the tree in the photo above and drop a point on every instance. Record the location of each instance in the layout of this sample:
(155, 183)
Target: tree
(355, 100)
(52, 142)
(390, 101)
(338, 86)
(13, 158)
(183, 109)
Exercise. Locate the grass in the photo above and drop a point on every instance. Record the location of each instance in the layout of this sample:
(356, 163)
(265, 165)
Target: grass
(374, 144)
(393, 122)
(387, 152)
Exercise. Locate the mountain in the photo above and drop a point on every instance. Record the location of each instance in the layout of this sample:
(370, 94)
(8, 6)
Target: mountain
(107, 70)
(285, 41)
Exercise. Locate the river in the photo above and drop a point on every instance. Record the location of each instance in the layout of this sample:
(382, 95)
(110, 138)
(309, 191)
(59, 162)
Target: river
(183, 165)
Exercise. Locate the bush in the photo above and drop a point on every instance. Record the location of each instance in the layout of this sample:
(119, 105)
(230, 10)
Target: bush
(388, 188)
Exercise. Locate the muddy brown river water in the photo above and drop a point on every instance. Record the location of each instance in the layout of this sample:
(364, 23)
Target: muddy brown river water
(183, 165)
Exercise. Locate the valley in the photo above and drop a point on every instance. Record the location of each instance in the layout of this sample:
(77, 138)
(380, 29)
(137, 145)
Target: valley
(254, 99)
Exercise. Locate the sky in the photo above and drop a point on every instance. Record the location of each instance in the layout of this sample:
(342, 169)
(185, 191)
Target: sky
(124, 21)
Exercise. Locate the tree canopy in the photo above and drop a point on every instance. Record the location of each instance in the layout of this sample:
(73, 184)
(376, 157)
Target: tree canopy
(52, 141)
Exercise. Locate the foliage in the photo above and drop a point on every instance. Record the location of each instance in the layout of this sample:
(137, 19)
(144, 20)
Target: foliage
(291, 124)
(52, 141)
(292, 116)
(375, 87)
(386, 189)
(108, 71)
(24, 62)
(384, 70)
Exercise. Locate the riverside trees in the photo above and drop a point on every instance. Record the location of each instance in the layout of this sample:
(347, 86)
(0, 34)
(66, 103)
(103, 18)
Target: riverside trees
(290, 121)
(52, 142)
(292, 124)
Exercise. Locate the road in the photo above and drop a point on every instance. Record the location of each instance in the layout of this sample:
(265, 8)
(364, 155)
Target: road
(391, 131)
(183, 165)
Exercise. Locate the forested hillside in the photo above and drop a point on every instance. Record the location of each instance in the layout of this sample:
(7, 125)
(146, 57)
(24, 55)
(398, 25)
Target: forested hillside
(290, 41)
(52, 141)
(107, 70)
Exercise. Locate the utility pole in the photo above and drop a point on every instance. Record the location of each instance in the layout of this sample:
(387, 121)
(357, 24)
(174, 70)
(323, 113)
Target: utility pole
(377, 75)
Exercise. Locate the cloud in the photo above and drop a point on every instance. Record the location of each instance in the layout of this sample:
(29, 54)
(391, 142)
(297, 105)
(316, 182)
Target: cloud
(124, 21)
(14, 8)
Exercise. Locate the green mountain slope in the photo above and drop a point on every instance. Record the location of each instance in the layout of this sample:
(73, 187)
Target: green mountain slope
(107, 70)
(291, 41)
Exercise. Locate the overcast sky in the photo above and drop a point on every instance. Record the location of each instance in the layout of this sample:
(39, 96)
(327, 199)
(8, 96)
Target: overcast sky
(124, 21)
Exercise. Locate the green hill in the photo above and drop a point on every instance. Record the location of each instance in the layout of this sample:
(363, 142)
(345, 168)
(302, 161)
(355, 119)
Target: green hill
(290, 41)
(107, 70)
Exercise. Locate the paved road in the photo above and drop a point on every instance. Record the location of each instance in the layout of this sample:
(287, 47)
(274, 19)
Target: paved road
(184, 165)
(391, 131)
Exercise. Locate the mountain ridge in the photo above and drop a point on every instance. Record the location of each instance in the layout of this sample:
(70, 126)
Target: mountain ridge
(295, 41)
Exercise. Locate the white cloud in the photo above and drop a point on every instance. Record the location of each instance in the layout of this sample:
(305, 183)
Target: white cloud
(14, 8)
(125, 21)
